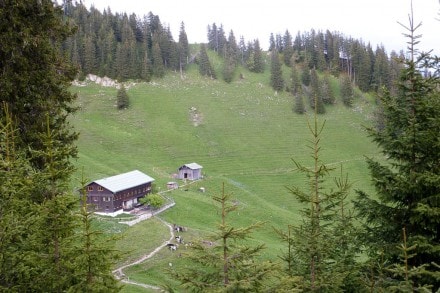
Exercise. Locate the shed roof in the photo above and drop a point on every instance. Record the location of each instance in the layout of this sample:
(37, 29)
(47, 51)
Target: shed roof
(124, 181)
(192, 166)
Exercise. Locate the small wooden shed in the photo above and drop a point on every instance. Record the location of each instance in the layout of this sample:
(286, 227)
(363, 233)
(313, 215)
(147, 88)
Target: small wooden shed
(192, 171)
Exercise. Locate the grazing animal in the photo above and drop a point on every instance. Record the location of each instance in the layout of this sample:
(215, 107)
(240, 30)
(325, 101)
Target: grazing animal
(172, 246)
(179, 239)
(179, 228)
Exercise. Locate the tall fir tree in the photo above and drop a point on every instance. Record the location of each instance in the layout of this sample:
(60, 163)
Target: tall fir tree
(297, 92)
(315, 94)
(255, 62)
(407, 184)
(38, 225)
(95, 253)
(276, 73)
(322, 248)
(205, 67)
(17, 213)
(157, 61)
(326, 90)
(305, 76)
(346, 89)
(35, 77)
(183, 48)
(381, 72)
(228, 264)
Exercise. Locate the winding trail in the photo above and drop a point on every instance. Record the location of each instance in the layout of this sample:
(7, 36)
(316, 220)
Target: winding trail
(119, 274)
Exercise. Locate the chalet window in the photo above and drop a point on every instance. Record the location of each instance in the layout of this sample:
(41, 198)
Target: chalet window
(89, 188)
(95, 198)
(106, 198)
(100, 188)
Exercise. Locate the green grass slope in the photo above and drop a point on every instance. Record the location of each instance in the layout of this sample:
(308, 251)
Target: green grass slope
(243, 134)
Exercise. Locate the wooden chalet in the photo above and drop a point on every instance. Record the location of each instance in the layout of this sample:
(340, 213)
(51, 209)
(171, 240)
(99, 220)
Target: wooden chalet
(117, 193)
(192, 171)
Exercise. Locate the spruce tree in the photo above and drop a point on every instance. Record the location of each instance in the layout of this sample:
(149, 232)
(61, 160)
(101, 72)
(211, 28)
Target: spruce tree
(407, 184)
(183, 47)
(226, 263)
(37, 220)
(17, 213)
(321, 249)
(347, 92)
(230, 59)
(305, 76)
(288, 48)
(295, 86)
(158, 67)
(276, 73)
(95, 253)
(258, 57)
(123, 100)
(297, 92)
(315, 95)
(205, 67)
(326, 91)
(35, 77)
(299, 106)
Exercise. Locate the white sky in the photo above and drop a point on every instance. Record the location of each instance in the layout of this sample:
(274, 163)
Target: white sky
(373, 21)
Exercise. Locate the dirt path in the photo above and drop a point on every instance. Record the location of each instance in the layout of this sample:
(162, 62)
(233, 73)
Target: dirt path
(119, 274)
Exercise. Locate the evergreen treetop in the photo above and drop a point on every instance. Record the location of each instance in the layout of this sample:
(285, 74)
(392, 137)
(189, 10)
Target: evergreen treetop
(407, 185)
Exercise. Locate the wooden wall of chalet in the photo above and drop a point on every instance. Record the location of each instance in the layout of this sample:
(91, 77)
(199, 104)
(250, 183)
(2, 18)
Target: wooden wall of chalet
(106, 201)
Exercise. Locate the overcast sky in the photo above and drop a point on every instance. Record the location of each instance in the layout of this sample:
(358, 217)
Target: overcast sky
(373, 21)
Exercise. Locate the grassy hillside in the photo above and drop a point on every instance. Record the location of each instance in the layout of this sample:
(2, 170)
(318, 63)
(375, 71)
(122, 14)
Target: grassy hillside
(242, 133)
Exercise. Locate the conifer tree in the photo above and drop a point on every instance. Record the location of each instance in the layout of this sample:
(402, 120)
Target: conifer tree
(146, 68)
(205, 67)
(288, 48)
(315, 95)
(326, 91)
(381, 73)
(89, 50)
(157, 61)
(183, 47)
(257, 57)
(407, 184)
(297, 92)
(276, 73)
(95, 254)
(299, 106)
(34, 79)
(37, 145)
(295, 86)
(123, 101)
(272, 45)
(321, 250)
(230, 59)
(347, 92)
(305, 76)
(17, 213)
(228, 264)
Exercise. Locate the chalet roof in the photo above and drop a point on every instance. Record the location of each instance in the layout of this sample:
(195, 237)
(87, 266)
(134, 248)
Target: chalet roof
(124, 181)
(192, 166)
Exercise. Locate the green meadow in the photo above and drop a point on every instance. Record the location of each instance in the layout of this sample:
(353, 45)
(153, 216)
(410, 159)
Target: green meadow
(244, 135)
